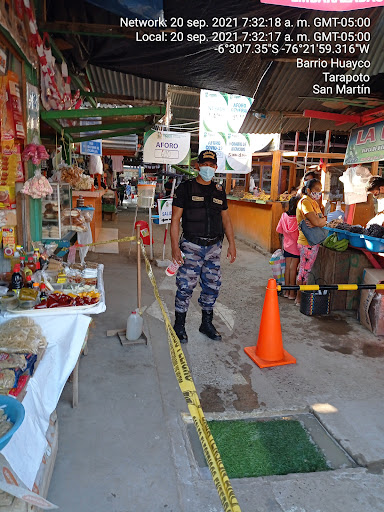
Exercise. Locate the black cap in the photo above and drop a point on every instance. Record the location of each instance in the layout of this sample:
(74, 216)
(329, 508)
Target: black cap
(308, 173)
(207, 154)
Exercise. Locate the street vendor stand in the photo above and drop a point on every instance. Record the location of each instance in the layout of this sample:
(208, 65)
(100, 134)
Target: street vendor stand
(255, 220)
(32, 450)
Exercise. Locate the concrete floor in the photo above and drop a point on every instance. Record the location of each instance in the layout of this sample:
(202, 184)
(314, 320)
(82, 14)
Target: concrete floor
(125, 448)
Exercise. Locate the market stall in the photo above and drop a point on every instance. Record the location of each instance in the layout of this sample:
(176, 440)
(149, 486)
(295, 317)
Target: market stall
(256, 215)
(48, 329)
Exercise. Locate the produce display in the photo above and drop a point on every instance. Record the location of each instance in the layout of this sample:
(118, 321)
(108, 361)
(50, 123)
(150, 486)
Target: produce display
(374, 230)
(65, 300)
(257, 195)
(332, 242)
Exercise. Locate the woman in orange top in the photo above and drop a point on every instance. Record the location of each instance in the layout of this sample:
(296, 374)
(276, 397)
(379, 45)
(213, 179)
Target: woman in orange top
(308, 209)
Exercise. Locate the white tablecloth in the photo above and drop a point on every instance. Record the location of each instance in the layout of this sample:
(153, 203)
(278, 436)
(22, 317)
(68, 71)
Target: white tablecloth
(65, 337)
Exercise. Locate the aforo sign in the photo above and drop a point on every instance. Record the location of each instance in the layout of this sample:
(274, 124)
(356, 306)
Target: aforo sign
(327, 5)
(366, 144)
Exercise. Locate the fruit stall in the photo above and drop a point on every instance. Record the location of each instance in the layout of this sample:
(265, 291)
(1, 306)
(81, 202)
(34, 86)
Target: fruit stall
(255, 216)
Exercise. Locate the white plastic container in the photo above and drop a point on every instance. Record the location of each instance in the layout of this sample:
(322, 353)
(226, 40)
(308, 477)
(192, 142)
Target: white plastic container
(134, 326)
(173, 267)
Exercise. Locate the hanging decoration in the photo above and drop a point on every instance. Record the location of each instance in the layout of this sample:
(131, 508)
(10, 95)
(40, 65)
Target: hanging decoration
(55, 83)
(36, 153)
(37, 187)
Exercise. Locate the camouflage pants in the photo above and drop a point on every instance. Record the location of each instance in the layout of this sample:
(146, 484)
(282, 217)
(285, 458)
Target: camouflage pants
(200, 262)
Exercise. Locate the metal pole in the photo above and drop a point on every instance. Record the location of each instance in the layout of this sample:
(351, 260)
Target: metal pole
(138, 268)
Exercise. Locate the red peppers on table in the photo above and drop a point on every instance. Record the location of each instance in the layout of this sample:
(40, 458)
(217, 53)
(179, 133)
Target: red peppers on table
(61, 300)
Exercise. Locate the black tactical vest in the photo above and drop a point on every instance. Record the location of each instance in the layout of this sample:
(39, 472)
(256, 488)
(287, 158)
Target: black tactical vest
(202, 213)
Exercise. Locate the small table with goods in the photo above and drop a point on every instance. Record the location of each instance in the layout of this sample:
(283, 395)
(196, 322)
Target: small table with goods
(49, 336)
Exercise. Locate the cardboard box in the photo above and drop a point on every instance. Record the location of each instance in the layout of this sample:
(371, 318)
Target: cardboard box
(371, 311)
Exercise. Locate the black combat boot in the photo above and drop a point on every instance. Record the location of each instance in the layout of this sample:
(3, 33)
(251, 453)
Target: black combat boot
(179, 327)
(207, 326)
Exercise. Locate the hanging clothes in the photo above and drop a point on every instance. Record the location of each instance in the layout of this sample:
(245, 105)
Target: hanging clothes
(117, 163)
(355, 180)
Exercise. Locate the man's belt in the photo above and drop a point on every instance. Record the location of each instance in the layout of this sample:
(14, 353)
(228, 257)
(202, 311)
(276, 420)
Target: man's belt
(204, 241)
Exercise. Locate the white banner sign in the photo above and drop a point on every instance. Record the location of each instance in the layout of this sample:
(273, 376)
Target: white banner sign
(221, 112)
(163, 147)
(238, 153)
(164, 207)
(216, 142)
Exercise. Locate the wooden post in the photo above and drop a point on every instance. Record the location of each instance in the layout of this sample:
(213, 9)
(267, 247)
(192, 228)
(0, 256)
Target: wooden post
(374, 168)
(138, 267)
(228, 183)
(276, 162)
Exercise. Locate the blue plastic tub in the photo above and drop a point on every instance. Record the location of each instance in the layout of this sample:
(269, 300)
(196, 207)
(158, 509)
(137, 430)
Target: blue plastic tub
(15, 412)
(356, 240)
(341, 234)
(374, 244)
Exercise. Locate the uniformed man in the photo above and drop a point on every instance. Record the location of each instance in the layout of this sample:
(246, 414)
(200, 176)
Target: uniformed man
(202, 207)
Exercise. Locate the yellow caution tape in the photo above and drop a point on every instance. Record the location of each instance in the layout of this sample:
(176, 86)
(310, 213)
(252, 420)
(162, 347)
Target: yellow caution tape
(125, 239)
(187, 386)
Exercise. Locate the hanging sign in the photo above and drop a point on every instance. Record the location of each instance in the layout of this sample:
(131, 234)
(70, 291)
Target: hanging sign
(366, 144)
(165, 147)
(221, 112)
(91, 147)
(221, 117)
(164, 207)
(217, 142)
(238, 158)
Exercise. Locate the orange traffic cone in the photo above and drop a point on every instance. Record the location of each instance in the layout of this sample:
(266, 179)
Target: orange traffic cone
(269, 349)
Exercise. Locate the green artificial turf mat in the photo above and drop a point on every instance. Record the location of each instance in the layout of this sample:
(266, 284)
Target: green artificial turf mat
(261, 448)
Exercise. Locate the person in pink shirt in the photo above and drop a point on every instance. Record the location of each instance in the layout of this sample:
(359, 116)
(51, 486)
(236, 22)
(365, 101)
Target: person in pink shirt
(288, 227)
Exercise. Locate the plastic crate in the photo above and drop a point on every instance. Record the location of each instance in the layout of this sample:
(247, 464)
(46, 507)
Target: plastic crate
(356, 240)
(341, 233)
(109, 208)
(374, 244)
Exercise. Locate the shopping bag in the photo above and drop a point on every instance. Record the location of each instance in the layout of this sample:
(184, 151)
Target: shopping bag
(278, 266)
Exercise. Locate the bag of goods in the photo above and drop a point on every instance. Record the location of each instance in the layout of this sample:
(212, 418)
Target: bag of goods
(35, 152)
(21, 335)
(278, 266)
(37, 187)
(75, 219)
(5, 423)
(13, 361)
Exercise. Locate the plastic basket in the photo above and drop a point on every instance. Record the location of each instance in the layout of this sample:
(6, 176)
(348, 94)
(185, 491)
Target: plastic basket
(15, 412)
(373, 244)
(313, 304)
(356, 240)
(341, 233)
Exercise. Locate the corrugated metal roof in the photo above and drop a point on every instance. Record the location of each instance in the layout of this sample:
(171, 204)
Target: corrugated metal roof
(128, 143)
(122, 84)
(285, 91)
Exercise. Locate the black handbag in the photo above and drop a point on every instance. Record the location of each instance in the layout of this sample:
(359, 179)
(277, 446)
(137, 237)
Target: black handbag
(314, 235)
